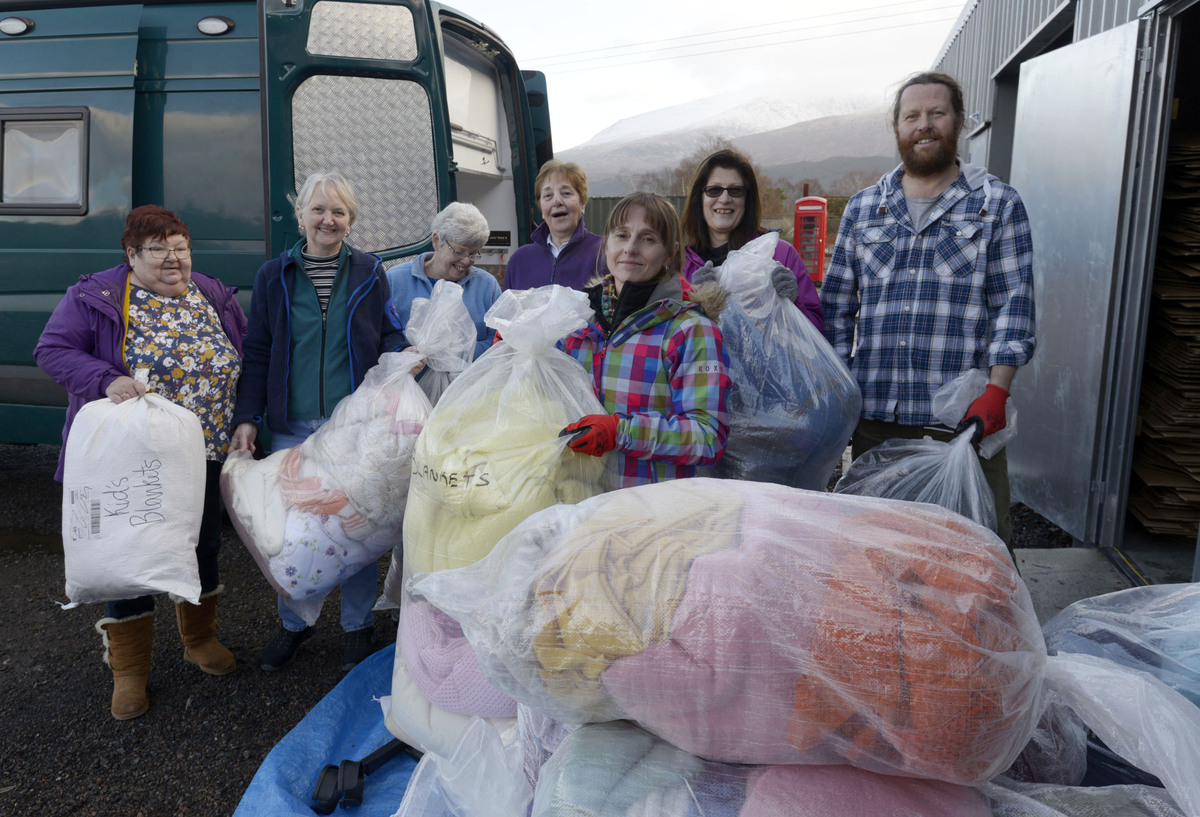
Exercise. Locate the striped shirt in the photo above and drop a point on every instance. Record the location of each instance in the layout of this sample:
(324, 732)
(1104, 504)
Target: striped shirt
(322, 270)
(928, 305)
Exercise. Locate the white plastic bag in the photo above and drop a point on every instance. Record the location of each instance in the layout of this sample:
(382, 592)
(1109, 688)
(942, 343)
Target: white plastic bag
(441, 329)
(925, 470)
(481, 777)
(133, 497)
(314, 514)
(793, 404)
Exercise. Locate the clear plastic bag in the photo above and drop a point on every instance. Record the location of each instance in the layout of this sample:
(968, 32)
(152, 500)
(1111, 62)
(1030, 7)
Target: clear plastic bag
(925, 470)
(618, 770)
(1153, 629)
(1009, 798)
(793, 404)
(441, 328)
(481, 777)
(133, 495)
(754, 623)
(490, 456)
(317, 513)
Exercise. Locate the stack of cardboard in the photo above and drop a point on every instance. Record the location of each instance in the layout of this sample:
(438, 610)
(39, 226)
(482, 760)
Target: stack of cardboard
(1165, 489)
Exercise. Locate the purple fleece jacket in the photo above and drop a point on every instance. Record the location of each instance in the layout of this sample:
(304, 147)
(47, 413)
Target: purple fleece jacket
(80, 348)
(807, 300)
(533, 265)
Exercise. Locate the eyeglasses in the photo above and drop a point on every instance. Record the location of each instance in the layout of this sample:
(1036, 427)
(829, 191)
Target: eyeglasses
(457, 253)
(715, 190)
(161, 253)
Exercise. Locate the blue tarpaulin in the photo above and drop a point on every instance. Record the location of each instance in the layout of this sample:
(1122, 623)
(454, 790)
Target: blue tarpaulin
(347, 724)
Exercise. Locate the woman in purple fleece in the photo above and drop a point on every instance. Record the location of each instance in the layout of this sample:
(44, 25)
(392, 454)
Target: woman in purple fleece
(722, 214)
(562, 251)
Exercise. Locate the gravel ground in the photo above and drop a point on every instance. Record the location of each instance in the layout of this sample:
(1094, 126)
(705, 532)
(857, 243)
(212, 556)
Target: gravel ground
(196, 750)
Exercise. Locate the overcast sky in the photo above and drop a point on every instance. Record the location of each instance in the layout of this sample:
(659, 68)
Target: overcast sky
(606, 60)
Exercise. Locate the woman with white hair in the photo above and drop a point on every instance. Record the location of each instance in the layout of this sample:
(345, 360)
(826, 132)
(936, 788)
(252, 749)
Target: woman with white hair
(459, 233)
(320, 317)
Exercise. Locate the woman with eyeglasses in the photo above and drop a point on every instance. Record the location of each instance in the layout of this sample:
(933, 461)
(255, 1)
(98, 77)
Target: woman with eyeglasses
(722, 214)
(153, 312)
(562, 251)
(459, 233)
(320, 317)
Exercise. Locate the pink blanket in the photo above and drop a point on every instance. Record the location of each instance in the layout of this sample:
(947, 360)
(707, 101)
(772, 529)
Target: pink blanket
(444, 666)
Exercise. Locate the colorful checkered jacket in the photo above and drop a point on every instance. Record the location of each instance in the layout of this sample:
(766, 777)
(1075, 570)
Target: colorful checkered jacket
(664, 370)
(912, 310)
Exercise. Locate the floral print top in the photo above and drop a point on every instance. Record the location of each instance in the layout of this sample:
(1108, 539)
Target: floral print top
(191, 360)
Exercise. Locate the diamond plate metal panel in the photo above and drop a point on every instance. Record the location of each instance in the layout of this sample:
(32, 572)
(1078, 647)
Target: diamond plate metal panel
(378, 133)
(362, 31)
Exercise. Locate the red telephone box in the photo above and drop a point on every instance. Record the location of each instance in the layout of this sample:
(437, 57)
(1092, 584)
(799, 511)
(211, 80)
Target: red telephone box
(808, 237)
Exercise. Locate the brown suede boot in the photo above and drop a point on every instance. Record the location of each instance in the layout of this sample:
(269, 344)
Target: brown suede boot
(127, 653)
(198, 629)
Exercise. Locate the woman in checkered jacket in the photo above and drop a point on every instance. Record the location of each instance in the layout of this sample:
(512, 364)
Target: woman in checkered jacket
(658, 361)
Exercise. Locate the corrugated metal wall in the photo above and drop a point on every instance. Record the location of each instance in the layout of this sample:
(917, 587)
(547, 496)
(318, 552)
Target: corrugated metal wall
(1095, 16)
(991, 33)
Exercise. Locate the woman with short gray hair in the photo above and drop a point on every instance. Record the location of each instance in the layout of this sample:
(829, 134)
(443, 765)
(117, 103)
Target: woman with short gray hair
(459, 233)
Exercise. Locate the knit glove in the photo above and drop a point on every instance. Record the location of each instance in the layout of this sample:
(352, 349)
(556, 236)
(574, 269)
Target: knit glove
(987, 412)
(784, 281)
(705, 273)
(594, 434)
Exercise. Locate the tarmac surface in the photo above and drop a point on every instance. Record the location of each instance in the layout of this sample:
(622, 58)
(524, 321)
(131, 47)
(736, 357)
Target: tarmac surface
(196, 750)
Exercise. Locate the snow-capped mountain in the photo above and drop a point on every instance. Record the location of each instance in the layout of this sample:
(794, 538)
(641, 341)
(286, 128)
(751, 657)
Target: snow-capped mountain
(788, 139)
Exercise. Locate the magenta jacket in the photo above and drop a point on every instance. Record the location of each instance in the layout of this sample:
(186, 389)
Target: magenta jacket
(807, 300)
(80, 348)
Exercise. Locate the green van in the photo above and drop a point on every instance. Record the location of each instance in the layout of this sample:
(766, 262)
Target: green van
(218, 111)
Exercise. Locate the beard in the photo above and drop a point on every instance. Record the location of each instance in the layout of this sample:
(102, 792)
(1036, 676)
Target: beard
(929, 164)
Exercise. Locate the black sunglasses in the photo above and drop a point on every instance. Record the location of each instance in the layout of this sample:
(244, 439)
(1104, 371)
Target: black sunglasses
(715, 190)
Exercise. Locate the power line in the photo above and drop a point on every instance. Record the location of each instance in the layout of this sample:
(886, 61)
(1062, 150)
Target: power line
(740, 48)
(775, 25)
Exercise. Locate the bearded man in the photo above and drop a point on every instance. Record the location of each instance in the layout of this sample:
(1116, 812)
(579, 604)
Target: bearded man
(932, 275)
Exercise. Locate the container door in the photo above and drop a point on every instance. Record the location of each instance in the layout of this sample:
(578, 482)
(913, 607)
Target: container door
(1072, 160)
(348, 87)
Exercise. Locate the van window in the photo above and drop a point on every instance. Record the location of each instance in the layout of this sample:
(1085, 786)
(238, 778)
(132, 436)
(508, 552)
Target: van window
(363, 31)
(43, 161)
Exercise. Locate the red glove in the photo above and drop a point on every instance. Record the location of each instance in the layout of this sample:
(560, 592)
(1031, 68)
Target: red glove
(989, 407)
(594, 434)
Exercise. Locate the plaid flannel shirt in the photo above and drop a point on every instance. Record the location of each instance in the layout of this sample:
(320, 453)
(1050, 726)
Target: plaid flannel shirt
(910, 311)
(665, 372)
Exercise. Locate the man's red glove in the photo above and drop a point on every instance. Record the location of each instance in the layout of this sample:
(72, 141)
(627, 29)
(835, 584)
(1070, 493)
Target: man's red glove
(989, 407)
(594, 434)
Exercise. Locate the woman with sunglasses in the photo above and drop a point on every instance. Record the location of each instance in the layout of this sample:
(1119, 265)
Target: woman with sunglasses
(459, 233)
(153, 312)
(320, 317)
(722, 214)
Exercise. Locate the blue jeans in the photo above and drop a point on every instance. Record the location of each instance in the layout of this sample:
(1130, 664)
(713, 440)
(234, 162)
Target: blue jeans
(359, 591)
(207, 546)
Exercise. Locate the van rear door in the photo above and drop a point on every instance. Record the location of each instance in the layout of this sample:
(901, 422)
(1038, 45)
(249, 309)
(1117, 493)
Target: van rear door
(349, 87)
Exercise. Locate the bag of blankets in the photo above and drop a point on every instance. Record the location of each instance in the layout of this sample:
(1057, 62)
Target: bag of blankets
(490, 456)
(316, 513)
(793, 404)
(443, 331)
(754, 623)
